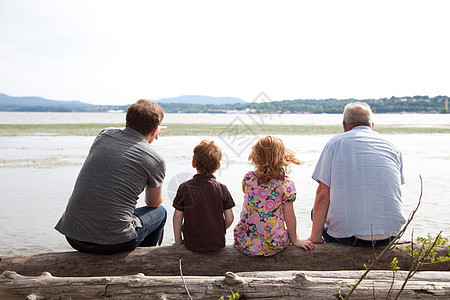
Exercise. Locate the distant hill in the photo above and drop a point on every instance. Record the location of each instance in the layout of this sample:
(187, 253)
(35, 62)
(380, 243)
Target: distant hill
(207, 104)
(10, 103)
(197, 99)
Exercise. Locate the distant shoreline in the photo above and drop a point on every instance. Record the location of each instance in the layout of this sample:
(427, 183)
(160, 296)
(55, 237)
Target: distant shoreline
(205, 129)
(207, 104)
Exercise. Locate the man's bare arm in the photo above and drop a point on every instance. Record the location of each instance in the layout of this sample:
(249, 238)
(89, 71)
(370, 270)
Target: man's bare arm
(321, 205)
(153, 196)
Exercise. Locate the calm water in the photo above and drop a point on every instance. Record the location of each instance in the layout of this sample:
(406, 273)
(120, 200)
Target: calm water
(410, 120)
(37, 173)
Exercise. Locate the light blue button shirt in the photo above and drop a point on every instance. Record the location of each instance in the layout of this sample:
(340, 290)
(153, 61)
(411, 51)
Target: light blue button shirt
(364, 173)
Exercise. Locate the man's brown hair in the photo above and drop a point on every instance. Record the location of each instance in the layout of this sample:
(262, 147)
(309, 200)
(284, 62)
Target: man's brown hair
(144, 116)
(207, 156)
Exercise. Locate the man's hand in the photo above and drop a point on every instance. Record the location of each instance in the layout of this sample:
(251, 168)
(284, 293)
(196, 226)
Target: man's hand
(159, 129)
(318, 240)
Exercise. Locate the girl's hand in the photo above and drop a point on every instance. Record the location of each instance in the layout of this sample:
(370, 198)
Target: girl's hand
(178, 242)
(307, 245)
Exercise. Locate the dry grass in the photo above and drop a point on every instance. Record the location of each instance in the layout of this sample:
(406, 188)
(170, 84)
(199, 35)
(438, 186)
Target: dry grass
(204, 129)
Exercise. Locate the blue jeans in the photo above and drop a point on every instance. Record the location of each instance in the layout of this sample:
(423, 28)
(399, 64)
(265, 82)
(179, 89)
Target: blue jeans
(352, 241)
(152, 225)
(153, 221)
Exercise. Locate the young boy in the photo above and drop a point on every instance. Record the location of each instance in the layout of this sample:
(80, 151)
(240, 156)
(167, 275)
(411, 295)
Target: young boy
(203, 203)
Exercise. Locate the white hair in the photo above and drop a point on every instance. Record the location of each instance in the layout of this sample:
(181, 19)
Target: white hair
(357, 113)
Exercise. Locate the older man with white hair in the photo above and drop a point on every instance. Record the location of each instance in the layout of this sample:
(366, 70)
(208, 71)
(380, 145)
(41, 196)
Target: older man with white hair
(358, 200)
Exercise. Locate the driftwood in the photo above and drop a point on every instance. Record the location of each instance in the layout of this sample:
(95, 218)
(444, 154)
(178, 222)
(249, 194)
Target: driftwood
(164, 261)
(256, 285)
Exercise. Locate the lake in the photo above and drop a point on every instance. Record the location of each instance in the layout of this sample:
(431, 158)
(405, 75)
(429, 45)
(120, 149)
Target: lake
(404, 120)
(38, 172)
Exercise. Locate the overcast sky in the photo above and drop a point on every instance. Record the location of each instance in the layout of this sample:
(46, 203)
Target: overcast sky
(115, 52)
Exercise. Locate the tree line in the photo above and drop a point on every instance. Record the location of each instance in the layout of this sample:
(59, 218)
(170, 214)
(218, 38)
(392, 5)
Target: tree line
(417, 104)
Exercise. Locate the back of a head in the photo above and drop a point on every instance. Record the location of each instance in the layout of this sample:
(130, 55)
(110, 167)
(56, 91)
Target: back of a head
(207, 156)
(144, 116)
(271, 158)
(357, 113)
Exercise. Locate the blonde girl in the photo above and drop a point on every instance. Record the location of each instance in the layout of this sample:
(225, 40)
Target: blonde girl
(267, 224)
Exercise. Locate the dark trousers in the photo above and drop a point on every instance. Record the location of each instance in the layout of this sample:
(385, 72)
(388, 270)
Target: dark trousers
(352, 241)
(148, 233)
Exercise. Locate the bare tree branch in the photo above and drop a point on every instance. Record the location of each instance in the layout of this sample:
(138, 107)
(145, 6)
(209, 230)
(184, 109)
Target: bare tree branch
(184, 281)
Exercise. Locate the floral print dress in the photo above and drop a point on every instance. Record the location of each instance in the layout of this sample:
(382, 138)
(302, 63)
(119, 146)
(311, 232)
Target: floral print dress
(261, 229)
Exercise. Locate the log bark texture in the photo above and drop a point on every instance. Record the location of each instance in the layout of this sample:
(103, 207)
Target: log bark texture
(256, 285)
(164, 261)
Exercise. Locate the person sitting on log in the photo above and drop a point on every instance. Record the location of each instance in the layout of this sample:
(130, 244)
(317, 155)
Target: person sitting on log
(101, 216)
(203, 205)
(358, 200)
(269, 197)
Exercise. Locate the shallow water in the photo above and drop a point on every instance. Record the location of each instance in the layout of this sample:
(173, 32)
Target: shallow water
(38, 173)
(410, 120)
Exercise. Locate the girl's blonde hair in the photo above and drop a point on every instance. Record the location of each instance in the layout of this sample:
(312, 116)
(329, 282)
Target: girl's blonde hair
(271, 158)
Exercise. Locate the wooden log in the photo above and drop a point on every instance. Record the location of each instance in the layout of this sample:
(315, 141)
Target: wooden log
(165, 261)
(257, 285)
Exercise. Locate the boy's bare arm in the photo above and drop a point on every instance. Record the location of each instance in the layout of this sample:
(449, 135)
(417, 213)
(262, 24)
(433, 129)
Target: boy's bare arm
(229, 218)
(177, 224)
(153, 196)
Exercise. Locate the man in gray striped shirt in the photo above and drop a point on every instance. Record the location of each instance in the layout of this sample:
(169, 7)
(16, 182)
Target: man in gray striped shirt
(101, 216)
